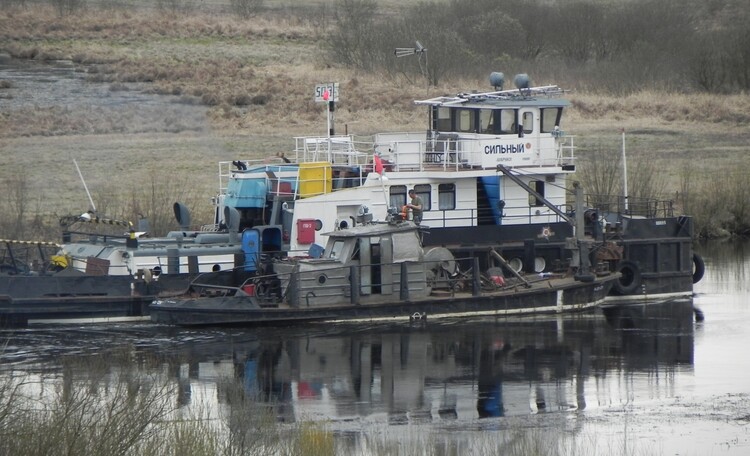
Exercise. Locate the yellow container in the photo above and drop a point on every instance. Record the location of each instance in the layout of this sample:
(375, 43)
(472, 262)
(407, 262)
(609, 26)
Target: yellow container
(315, 178)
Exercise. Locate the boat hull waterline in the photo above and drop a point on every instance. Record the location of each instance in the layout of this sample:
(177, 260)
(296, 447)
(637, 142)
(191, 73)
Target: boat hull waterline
(564, 295)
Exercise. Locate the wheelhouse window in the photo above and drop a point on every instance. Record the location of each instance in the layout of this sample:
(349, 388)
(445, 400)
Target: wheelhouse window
(336, 249)
(487, 121)
(465, 120)
(442, 119)
(550, 118)
(538, 187)
(397, 196)
(507, 121)
(424, 191)
(446, 197)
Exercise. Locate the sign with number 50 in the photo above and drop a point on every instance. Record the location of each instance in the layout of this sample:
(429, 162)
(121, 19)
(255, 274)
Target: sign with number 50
(327, 92)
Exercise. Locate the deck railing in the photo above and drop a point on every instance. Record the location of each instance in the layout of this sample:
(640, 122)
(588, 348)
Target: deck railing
(638, 207)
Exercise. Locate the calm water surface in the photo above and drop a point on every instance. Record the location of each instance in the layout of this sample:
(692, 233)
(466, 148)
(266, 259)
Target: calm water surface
(633, 379)
(61, 85)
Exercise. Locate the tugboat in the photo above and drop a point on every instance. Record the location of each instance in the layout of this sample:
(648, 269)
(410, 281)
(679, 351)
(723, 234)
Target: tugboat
(493, 171)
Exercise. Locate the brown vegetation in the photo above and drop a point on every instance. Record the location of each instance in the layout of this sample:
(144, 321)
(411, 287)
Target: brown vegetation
(254, 74)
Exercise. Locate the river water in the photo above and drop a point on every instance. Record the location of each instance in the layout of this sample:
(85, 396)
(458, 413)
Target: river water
(92, 108)
(635, 379)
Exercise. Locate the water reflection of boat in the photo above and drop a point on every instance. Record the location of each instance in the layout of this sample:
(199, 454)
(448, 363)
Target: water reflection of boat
(451, 372)
(655, 333)
(447, 375)
(380, 271)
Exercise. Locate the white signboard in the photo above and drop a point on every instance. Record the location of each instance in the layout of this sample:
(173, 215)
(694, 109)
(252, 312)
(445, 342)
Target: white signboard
(327, 92)
(516, 152)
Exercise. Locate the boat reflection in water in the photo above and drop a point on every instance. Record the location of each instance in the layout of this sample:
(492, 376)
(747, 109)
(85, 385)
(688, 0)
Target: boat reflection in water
(450, 372)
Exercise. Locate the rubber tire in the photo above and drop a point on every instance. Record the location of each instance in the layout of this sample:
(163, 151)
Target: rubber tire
(699, 268)
(630, 280)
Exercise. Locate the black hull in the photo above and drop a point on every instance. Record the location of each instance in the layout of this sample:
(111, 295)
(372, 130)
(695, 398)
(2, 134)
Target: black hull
(660, 249)
(61, 297)
(567, 295)
(19, 312)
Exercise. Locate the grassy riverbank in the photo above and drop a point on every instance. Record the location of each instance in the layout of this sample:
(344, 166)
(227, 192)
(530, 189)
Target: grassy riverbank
(254, 77)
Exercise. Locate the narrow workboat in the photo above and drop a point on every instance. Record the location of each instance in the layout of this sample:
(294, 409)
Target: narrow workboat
(492, 169)
(104, 268)
(381, 271)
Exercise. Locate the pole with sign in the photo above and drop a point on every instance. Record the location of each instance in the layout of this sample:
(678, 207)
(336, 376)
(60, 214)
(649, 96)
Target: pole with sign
(328, 93)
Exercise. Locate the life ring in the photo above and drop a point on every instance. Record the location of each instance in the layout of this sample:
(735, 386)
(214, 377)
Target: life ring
(699, 268)
(630, 280)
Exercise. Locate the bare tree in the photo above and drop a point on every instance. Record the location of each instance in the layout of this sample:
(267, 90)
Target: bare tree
(246, 8)
(352, 40)
(66, 7)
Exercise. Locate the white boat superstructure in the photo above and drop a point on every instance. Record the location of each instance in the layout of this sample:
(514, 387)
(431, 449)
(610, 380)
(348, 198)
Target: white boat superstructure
(492, 171)
(453, 167)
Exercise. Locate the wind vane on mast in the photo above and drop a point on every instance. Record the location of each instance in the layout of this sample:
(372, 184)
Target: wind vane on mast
(418, 49)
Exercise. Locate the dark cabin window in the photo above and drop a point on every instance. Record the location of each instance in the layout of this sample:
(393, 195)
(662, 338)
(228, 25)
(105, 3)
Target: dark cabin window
(550, 119)
(486, 121)
(507, 121)
(443, 119)
(538, 187)
(465, 120)
(446, 197)
(398, 196)
(424, 191)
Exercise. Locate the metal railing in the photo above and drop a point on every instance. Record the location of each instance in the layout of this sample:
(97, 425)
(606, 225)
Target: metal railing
(639, 207)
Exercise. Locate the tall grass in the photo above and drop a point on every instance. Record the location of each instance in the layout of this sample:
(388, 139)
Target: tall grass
(21, 218)
(119, 413)
(601, 174)
(717, 201)
(720, 206)
(94, 408)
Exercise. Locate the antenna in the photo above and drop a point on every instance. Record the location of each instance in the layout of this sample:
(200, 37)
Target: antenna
(417, 50)
(93, 206)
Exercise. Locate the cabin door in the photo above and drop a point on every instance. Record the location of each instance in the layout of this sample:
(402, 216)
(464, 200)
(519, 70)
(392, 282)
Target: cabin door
(365, 266)
(376, 268)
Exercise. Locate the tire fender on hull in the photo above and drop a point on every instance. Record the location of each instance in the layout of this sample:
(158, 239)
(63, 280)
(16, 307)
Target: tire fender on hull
(699, 268)
(630, 280)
